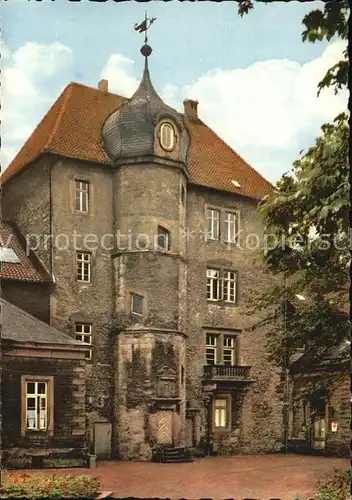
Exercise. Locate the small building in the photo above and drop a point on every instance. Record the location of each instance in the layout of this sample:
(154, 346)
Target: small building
(43, 391)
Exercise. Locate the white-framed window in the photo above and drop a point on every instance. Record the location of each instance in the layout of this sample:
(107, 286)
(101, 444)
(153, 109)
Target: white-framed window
(221, 413)
(167, 136)
(137, 303)
(230, 227)
(211, 347)
(228, 351)
(81, 196)
(213, 224)
(164, 240)
(36, 406)
(83, 334)
(83, 267)
(229, 280)
(213, 284)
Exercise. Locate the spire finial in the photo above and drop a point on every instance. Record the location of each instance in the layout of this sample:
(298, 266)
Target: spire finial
(143, 27)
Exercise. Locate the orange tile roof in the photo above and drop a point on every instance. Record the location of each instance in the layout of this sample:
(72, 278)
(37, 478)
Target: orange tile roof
(28, 268)
(72, 128)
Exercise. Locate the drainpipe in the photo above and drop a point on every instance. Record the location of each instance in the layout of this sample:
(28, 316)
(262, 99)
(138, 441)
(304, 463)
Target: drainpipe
(209, 427)
(51, 219)
(286, 368)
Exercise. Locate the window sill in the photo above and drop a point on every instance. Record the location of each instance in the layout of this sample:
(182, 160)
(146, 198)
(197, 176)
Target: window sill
(222, 303)
(37, 432)
(220, 430)
(136, 315)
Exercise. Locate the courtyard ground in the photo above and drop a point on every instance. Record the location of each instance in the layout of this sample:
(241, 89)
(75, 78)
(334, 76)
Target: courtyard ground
(253, 477)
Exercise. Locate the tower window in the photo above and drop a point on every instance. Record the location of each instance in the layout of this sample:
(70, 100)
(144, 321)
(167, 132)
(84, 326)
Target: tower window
(137, 304)
(167, 136)
(183, 195)
(163, 238)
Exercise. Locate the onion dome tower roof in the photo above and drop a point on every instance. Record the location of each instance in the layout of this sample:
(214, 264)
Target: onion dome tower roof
(130, 130)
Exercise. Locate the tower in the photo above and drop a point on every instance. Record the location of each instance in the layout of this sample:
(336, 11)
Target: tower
(148, 143)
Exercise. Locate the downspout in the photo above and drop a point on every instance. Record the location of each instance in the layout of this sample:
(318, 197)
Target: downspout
(51, 220)
(286, 397)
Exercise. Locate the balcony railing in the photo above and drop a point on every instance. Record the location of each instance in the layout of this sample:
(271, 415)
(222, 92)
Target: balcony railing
(226, 372)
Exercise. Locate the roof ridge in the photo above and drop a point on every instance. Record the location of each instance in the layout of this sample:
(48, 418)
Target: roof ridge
(25, 313)
(235, 152)
(66, 94)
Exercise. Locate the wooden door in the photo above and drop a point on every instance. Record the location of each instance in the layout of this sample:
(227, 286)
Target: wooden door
(163, 424)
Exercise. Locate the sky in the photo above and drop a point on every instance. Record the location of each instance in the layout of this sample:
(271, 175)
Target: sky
(254, 78)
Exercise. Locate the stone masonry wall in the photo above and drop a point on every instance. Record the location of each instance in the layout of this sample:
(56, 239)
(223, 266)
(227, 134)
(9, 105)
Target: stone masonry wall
(261, 412)
(25, 200)
(31, 297)
(144, 357)
(75, 302)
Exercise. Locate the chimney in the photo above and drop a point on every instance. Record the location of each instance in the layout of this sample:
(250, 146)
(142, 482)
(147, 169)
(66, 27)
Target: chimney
(103, 85)
(190, 108)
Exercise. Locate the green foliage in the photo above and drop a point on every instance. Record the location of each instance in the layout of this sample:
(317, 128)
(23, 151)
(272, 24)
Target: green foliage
(42, 486)
(335, 488)
(325, 25)
(315, 266)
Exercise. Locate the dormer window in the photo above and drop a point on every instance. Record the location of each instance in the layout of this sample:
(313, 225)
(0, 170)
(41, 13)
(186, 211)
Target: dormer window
(167, 136)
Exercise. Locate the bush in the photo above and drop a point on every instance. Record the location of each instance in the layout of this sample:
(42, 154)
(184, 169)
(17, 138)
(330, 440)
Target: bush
(42, 486)
(335, 488)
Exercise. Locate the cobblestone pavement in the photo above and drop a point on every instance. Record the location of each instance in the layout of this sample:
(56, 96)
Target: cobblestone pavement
(253, 476)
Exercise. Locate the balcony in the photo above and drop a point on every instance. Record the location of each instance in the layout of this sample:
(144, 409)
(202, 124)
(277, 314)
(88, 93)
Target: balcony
(226, 373)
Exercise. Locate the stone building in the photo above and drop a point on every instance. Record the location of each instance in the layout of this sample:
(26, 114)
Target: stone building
(148, 222)
(43, 391)
(43, 369)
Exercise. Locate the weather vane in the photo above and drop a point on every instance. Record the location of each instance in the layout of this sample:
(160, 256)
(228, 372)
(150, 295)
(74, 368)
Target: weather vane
(144, 26)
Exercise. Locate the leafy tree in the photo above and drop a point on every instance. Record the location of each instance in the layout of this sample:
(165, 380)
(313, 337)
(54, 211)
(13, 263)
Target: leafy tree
(308, 211)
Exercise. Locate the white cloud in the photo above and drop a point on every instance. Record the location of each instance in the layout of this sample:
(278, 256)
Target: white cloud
(119, 72)
(270, 110)
(32, 78)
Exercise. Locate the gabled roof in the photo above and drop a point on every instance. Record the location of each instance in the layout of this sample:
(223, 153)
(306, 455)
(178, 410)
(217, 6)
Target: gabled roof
(29, 268)
(72, 128)
(19, 326)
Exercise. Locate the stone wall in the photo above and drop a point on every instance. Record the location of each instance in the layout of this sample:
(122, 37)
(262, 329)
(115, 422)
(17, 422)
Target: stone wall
(25, 200)
(33, 298)
(261, 412)
(149, 369)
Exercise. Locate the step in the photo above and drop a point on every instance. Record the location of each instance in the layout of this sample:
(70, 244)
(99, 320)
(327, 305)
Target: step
(176, 460)
(175, 452)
